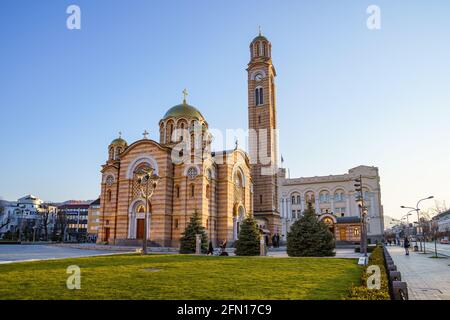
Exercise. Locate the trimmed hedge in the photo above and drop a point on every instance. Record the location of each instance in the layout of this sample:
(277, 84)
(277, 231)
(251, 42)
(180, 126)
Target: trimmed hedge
(369, 249)
(361, 292)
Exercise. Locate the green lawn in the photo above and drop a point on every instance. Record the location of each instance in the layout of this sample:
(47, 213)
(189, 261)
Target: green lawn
(182, 277)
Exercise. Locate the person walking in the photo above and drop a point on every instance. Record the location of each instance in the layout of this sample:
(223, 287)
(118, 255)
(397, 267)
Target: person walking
(406, 245)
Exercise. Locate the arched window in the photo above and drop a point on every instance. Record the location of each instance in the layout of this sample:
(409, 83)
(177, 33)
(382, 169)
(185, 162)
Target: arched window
(339, 196)
(109, 195)
(324, 197)
(208, 191)
(192, 190)
(298, 200)
(260, 198)
(238, 179)
(259, 96)
(293, 200)
(170, 132)
(177, 191)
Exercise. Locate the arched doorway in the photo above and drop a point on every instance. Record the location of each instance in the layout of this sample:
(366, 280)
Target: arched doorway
(329, 220)
(137, 222)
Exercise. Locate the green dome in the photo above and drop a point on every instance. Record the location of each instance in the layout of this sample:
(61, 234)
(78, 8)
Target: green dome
(183, 111)
(260, 37)
(119, 142)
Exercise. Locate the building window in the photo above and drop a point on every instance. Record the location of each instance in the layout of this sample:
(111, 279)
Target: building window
(109, 195)
(324, 197)
(260, 198)
(177, 190)
(259, 96)
(192, 190)
(208, 191)
(259, 119)
(298, 199)
(176, 223)
(339, 196)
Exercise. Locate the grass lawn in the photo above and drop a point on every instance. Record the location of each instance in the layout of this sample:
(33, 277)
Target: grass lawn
(166, 277)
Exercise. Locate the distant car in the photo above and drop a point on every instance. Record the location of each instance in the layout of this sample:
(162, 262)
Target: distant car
(444, 240)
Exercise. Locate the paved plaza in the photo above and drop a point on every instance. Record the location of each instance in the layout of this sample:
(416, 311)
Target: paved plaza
(16, 253)
(427, 278)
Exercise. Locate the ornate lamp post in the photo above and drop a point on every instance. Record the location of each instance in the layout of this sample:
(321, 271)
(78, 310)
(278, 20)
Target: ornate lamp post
(363, 213)
(147, 181)
(418, 216)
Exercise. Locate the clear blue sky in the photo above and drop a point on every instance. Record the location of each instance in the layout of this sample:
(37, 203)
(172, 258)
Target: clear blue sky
(346, 95)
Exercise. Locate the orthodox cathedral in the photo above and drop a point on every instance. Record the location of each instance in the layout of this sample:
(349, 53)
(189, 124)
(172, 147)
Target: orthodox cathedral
(221, 187)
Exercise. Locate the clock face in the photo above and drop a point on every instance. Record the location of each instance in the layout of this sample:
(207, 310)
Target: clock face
(192, 172)
(258, 77)
(109, 181)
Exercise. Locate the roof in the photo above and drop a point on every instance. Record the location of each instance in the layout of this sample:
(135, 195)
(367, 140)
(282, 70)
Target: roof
(119, 142)
(260, 37)
(95, 202)
(353, 219)
(184, 110)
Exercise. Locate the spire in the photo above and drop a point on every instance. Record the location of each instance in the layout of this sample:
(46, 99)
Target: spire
(120, 134)
(260, 34)
(145, 134)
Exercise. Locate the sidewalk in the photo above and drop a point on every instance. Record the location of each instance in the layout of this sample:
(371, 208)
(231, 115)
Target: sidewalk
(427, 278)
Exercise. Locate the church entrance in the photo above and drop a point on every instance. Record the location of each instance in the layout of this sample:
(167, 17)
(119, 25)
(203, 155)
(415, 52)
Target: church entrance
(140, 229)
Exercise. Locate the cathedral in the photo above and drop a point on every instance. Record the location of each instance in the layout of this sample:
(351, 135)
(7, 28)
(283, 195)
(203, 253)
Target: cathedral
(225, 187)
(221, 187)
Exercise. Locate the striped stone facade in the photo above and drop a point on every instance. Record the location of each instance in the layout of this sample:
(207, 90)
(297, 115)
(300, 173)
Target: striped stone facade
(220, 191)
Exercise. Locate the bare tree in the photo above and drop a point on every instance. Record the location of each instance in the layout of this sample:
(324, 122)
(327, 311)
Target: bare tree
(45, 221)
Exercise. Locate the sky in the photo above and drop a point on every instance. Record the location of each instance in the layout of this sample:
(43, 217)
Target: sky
(346, 95)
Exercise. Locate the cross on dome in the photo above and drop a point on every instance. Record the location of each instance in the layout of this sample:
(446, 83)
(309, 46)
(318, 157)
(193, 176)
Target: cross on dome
(185, 94)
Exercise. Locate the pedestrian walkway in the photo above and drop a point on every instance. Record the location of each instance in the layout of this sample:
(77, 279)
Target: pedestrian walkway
(427, 278)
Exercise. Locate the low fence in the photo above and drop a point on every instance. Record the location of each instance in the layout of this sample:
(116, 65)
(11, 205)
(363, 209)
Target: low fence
(397, 287)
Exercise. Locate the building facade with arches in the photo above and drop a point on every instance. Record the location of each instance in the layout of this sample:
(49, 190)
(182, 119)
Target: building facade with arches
(217, 186)
(333, 198)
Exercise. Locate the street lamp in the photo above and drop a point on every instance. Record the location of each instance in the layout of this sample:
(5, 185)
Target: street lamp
(147, 181)
(418, 216)
(363, 213)
(407, 221)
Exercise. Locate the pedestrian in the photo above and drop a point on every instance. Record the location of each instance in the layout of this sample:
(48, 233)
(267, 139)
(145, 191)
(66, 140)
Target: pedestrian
(406, 245)
(278, 240)
(210, 249)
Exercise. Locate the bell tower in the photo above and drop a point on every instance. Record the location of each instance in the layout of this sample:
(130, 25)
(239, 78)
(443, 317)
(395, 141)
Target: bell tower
(263, 133)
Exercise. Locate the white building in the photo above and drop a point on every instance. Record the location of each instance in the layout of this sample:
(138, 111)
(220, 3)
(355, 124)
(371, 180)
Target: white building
(27, 212)
(333, 198)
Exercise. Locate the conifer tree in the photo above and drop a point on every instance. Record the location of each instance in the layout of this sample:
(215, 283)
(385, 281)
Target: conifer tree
(248, 240)
(187, 241)
(310, 237)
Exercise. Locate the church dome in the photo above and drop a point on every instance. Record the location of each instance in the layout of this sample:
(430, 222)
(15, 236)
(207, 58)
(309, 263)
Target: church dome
(119, 142)
(183, 110)
(260, 38)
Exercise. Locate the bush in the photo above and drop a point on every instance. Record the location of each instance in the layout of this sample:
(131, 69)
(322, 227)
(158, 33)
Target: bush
(187, 241)
(369, 249)
(361, 292)
(248, 241)
(309, 237)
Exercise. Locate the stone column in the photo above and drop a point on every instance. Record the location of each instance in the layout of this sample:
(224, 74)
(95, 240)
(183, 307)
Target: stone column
(317, 203)
(348, 209)
(198, 244)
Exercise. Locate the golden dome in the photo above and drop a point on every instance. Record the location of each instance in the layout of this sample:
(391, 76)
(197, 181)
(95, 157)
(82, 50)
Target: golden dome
(183, 110)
